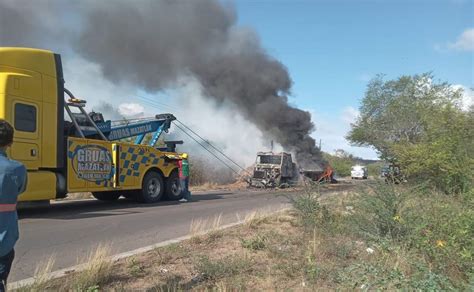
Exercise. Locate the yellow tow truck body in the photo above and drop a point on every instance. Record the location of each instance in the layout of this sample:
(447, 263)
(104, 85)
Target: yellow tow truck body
(32, 101)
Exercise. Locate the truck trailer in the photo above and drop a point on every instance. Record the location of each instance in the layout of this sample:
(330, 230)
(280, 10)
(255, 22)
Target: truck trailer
(83, 153)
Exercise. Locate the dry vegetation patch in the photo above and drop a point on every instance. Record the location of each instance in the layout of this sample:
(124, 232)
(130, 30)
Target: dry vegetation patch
(253, 255)
(377, 238)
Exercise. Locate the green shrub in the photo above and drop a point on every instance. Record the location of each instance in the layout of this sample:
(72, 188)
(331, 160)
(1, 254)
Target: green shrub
(375, 168)
(442, 230)
(311, 212)
(135, 268)
(213, 270)
(379, 213)
(435, 227)
(373, 276)
(256, 243)
(421, 239)
(312, 269)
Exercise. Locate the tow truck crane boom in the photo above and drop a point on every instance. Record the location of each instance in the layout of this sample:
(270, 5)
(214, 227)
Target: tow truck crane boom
(129, 128)
(138, 128)
(92, 125)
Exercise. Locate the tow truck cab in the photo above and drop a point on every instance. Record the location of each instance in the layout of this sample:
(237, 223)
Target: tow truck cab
(31, 99)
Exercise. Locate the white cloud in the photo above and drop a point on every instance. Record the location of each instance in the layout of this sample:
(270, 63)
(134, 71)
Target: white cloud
(131, 109)
(350, 114)
(467, 96)
(332, 129)
(465, 41)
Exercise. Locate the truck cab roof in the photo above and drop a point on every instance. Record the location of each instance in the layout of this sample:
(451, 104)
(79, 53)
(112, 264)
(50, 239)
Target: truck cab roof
(41, 61)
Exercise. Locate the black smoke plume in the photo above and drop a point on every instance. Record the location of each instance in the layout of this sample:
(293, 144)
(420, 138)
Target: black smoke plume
(151, 44)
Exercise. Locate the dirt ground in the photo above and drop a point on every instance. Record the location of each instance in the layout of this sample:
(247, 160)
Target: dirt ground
(239, 185)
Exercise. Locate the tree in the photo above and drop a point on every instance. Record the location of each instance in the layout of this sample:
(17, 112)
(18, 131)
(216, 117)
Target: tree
(420, 124)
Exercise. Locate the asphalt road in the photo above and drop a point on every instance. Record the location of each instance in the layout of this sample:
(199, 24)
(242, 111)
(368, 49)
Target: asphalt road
(70, 230)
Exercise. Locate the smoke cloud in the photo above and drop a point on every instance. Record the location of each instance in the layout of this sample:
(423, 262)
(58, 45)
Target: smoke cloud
(154, 44)
(227, 128)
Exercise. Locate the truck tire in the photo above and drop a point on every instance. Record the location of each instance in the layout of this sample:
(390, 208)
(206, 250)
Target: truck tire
(173, 187)
(152, 188)
(106, 196)
(277, 182)
(281, 183)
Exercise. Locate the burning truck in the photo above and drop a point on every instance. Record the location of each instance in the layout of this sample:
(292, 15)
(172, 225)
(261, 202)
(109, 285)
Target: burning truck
(317, 173)
(278, 170)
(273, 170)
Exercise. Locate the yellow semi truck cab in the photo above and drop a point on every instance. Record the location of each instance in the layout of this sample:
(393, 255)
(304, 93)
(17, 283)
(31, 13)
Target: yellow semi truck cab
(60, 160)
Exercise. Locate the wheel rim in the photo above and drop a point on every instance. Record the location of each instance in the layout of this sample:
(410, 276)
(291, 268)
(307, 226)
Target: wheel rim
(154, 188)
(175, 188)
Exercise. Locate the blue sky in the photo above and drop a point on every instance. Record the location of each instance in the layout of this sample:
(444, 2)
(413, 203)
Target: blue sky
(332, 48)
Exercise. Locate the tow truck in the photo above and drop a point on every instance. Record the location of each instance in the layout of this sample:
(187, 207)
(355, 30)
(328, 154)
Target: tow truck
(83, 153)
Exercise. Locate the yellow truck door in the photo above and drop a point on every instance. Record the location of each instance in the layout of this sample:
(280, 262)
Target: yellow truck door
(91, 165)
(27, 124)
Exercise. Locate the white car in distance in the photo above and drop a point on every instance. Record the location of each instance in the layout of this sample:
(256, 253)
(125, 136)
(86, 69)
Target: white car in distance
(359, 171)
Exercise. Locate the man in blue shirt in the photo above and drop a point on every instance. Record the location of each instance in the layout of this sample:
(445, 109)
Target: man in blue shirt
(12, 183)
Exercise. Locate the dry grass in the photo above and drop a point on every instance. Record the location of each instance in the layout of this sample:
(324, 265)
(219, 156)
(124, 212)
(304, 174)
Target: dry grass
(41, 276)
(79, 196)
(210, 226)
(201, 226)
(204, 187)
(42, 272)
(97, 270)
(255, 218)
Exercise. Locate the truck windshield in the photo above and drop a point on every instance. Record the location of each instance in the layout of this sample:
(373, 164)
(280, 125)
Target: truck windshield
(269, 159)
